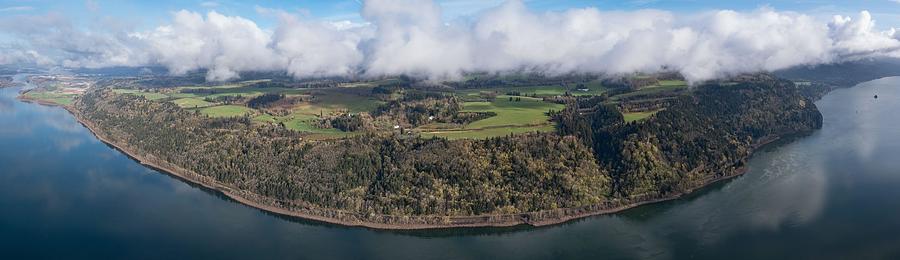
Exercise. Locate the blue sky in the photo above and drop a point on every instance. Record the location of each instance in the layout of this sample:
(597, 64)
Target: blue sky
(146, 14)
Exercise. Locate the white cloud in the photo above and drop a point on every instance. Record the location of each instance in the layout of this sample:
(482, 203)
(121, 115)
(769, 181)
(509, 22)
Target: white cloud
(58, 42)
(226, 45)
(411, 37)
(14, 55)
(317, 48)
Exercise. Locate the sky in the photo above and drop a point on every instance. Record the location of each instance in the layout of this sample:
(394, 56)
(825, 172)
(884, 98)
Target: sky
(703, 39)
(152, 13)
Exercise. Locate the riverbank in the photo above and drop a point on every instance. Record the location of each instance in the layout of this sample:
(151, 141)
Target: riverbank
(303, 210)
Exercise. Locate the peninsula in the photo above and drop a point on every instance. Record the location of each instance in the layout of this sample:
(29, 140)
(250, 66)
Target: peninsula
(488, 151)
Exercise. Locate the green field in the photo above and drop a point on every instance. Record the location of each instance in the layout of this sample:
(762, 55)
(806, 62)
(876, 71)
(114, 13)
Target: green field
(527, 115)
(529, 111)
(327, 101)
(512, 117)
(191, 103)
(304, 123)
(227, 86)
(672, 83)
(593, 88)
(650, 90)
(52, 97)
(147, 95)
(486, 133)
(226, 111)
(319, 101)
(636, 116)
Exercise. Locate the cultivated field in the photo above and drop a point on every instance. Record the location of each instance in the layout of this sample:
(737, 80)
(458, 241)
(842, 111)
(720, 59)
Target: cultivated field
(636, 116)
(226, 111)
(518, 109)
(191, 103)
(526, 115)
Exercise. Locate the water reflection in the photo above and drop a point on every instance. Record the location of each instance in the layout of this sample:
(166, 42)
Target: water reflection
(6, 106)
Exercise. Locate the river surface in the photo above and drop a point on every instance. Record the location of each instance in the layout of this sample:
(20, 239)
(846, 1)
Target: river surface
(832, 195)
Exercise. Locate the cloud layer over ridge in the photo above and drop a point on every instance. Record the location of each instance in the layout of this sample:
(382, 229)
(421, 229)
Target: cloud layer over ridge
(411, 37)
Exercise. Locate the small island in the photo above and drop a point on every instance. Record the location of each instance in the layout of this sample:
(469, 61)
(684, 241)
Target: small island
(401, 153)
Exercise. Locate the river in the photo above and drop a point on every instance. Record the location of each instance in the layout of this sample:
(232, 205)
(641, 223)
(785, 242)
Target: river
(831, 195)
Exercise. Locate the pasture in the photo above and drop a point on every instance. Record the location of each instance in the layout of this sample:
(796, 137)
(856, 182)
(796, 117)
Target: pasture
(525, 112)
(226, 111)
(191, 103)
(637, 116)
(526, 115)
(589, 88)
(51, 97)
(146, 94)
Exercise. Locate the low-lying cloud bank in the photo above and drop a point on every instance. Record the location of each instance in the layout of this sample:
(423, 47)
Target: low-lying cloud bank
(410, 37)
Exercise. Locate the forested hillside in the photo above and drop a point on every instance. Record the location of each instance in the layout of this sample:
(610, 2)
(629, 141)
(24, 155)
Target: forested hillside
(844, 74)
(698, 138)
(385, 174)
(596, 157)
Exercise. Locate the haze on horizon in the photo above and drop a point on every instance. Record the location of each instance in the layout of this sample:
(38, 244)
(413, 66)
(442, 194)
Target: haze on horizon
(420, 38)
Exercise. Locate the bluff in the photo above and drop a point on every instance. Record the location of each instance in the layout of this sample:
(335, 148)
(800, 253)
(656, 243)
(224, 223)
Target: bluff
(596, 162)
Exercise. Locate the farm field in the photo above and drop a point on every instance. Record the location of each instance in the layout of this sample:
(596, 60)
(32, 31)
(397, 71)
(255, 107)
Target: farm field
(526, 115)
(650, 90)
(226, 111)
(146, 94)
(672, 83)
(593, 88)
(191, 103)
(637, 116)
(303, 123)
(528, 111)
(487, 133)
(51, 97)
(301, 116)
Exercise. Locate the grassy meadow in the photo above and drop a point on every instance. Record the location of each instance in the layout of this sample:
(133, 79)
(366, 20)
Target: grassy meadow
(637, 116)
(513, 117)
(51, 97)
(191, 103)
(226, 111)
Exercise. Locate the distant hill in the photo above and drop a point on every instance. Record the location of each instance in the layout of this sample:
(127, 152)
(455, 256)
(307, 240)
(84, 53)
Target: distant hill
(124, 71)
(844, 74)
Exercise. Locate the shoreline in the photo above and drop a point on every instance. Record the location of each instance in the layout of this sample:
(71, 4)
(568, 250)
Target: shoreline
(391, 222)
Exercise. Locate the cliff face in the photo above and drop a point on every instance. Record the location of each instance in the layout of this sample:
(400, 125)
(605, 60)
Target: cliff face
(699, 138)
(596, 163)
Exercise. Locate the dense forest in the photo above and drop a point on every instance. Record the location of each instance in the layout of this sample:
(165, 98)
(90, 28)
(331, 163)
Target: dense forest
(368, 174)
(595, 157)
(698, 138)
(264, 100)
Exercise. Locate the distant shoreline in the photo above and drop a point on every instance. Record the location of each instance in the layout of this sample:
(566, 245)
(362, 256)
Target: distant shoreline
(309, 212)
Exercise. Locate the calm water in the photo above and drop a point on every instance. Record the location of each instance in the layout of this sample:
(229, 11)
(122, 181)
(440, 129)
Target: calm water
(834, 194)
